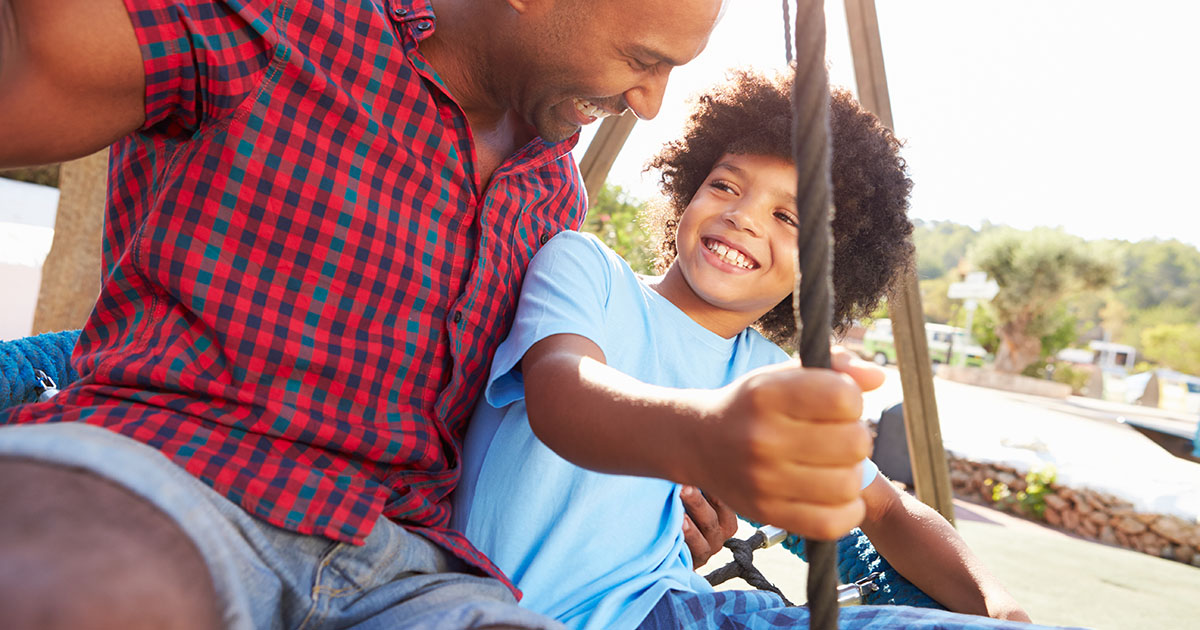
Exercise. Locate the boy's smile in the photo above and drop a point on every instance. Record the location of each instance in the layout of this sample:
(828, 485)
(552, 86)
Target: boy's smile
(728, 254)
(736, 244)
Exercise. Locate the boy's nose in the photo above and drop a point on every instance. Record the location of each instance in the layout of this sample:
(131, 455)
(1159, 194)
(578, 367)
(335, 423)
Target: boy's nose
(740, 219)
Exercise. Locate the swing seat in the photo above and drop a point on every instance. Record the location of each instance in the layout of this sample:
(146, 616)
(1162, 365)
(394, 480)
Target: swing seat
(51, 353)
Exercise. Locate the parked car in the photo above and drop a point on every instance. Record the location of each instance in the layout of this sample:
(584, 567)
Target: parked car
(880, 347)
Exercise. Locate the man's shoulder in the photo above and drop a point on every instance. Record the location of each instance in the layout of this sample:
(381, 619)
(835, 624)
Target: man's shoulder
(584, 246)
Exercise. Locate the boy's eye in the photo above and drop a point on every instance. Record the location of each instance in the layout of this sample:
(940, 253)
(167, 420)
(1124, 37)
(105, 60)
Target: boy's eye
(787, 218)
(721, 185)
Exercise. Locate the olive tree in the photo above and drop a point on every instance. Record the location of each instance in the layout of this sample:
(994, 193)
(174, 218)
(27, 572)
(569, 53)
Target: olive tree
(1037, 272)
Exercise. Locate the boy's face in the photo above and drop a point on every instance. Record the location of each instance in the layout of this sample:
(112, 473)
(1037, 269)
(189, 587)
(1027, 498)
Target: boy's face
(736, 240)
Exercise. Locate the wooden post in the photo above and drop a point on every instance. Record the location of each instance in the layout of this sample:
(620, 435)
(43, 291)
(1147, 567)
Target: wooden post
(603, 150)
(930, 473)
(71, 273)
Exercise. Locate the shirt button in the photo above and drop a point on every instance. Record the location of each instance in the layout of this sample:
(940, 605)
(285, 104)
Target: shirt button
(543, 238)
(457, 316)
(424, 26)
(401, 12)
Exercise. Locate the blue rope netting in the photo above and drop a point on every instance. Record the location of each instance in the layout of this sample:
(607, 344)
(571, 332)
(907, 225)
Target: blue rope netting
(857, 559)
(49, 352)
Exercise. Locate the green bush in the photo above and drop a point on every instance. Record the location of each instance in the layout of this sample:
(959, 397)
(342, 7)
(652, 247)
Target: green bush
(613, 217)
(1028, 502)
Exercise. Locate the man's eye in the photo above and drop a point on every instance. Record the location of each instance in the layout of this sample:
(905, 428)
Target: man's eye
(640, 66)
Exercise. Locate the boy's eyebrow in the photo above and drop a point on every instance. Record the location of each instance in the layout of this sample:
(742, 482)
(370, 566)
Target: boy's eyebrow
(736, 170)
(779, 193)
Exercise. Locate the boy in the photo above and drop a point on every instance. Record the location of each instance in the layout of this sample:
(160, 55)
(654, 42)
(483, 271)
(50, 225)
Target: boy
(577, 383)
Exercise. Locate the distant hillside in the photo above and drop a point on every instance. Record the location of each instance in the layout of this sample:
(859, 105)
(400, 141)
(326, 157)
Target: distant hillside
(1158, 281)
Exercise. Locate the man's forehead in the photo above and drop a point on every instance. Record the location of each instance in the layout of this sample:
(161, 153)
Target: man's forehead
(673, 30)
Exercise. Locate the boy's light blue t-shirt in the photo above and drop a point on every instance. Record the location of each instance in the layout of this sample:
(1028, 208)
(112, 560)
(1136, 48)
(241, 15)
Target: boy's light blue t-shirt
(592, 550)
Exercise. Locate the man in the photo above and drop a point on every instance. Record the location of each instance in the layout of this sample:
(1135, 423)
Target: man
(318, 219)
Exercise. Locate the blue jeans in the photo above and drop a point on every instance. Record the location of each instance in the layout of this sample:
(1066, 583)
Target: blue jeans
(267, 577)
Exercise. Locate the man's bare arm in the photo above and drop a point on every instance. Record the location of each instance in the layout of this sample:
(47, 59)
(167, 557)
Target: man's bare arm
(71, 79)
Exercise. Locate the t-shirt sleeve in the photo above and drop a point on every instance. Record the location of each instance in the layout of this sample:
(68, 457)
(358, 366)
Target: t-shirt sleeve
(870, 471)
(202, 58)
(566, 290)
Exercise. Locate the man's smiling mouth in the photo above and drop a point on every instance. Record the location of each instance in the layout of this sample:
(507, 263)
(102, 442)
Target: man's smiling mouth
(592, 110)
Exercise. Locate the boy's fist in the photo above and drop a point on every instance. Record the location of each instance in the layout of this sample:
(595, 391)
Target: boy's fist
(784, 446)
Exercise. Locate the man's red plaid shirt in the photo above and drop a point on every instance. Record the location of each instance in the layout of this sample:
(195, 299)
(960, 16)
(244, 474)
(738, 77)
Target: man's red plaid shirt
(304, 280)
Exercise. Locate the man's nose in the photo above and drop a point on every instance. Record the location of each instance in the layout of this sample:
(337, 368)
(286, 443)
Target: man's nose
(646, 99)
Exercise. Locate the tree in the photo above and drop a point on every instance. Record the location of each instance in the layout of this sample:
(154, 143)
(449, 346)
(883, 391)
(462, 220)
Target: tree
(938, 306)
(1174, 345)
(614, 218)
(1038, 272)
(940, 245)
(44, 175)
(72, 271)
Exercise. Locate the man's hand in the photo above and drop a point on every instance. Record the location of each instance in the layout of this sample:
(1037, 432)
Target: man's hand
(708, 524)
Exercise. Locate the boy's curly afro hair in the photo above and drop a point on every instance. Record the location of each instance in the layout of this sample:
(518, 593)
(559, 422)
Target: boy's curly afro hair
(752, 115)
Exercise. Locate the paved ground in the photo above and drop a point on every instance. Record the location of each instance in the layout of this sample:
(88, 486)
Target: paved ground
(1059, 578)
(1080, 437)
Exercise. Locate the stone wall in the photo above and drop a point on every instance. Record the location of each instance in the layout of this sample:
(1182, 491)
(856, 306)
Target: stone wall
(1087, 513)
(987, 377)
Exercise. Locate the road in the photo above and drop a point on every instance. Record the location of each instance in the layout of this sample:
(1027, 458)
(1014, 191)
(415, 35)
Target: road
(1080, 437)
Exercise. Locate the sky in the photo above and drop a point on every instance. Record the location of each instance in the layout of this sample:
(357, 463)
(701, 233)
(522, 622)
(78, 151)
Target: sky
(1079, 114)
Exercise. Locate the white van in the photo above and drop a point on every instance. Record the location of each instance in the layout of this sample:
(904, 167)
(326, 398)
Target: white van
(880, 347)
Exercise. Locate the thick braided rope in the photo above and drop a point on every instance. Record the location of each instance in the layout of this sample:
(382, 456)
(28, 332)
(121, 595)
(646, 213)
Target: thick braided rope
(50, 352)
(787, 33)
(813, 301)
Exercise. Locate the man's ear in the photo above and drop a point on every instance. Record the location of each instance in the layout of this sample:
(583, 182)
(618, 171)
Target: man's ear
(524, 7)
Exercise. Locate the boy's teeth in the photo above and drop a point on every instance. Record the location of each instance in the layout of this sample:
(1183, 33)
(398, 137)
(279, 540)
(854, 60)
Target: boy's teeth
(730, 256)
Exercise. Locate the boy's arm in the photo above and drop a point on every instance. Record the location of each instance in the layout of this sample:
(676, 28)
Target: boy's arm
(780, 445)
(927, 550)
(71, 79)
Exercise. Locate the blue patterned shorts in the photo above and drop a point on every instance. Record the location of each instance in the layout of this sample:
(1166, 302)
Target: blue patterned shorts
(760, 610)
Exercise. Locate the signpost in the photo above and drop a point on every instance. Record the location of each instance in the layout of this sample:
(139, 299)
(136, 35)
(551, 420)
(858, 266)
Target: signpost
(975, 288)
